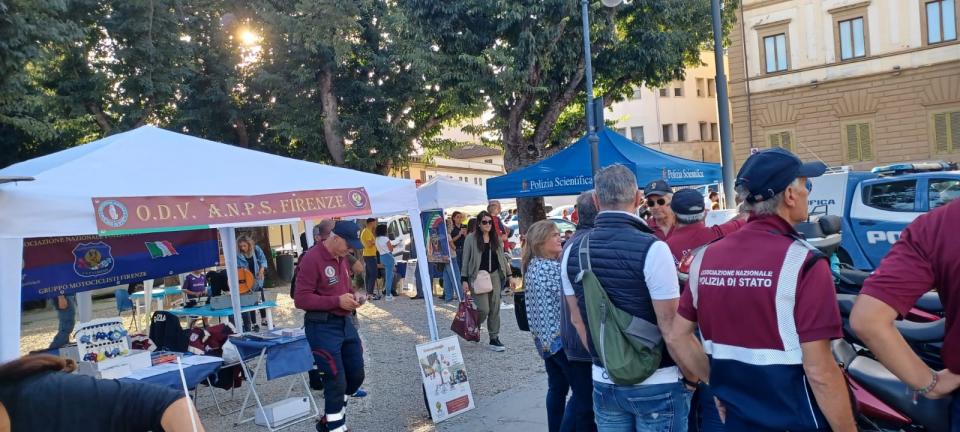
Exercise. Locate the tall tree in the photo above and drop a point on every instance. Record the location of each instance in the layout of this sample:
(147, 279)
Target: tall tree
(525, 61)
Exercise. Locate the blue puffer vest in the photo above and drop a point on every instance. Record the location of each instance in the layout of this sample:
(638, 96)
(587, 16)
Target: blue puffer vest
(572, 346)
(618, 249)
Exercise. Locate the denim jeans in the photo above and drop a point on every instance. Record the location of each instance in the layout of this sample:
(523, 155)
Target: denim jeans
(955, 413)
(370, 273)
(641, 408)
(575, 414)
(450, 286)
(67, 318)
(339, 357)
(388, 269)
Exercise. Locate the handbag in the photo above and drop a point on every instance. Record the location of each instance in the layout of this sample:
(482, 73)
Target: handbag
(465, 323)
(483, 283)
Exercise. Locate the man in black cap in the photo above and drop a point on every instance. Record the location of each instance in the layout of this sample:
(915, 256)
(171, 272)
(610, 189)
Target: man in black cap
(766, 307)
(324, 290)
(659, 195)
(690, 232)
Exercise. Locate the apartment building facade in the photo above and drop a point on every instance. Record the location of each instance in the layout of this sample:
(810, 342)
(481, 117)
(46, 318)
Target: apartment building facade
(851, 82)
(680, 118)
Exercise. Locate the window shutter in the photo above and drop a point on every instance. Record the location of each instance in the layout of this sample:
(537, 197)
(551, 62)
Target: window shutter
(774, 140)
(940, 133)
(866, 142)
(853, 150)
(786, 141)
(955, 131)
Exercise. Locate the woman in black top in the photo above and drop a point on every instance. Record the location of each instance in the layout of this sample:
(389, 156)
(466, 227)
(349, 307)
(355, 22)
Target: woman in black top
(483, 252)
(37, 393)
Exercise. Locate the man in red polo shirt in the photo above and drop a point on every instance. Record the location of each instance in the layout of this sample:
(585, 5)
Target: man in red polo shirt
(325, 291)
(690, 232)
(926, 256)
(662, 220)
(767, 310)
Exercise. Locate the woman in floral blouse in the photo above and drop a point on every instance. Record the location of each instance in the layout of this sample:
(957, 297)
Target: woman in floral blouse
(541, 281)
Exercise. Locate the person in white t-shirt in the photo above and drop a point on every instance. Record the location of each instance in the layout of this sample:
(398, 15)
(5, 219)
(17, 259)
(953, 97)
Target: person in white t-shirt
(385, 249)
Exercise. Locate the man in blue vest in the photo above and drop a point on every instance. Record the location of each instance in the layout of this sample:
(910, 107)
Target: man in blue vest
(638, 273)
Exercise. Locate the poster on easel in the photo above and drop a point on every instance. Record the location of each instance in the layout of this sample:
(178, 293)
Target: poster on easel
(445, 378)
(436, 235)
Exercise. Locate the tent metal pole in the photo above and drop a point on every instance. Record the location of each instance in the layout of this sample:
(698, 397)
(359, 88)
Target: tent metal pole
(11, 267)
(85, 306)
(228, 237)
(308, 227)
(424, 269)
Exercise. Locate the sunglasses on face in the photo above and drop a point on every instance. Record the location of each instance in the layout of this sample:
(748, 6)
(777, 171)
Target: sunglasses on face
(655, 202)
(486, 222)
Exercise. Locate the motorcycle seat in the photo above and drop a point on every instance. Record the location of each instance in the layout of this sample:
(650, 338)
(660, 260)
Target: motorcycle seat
(930, 302)
(880, 382)
(926, 332)
(852, 276)
(843, 352)
(845, 303)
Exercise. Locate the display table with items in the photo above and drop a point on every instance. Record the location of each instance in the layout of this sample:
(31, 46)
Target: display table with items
(157, 294)
(103, 350)
(277, 354)
(209, 311)
(196, 369)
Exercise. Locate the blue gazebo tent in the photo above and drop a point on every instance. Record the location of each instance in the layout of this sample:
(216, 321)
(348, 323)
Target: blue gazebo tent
(568, 171)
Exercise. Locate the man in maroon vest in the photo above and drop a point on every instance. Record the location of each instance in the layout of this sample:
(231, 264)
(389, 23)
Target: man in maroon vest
(766, 307)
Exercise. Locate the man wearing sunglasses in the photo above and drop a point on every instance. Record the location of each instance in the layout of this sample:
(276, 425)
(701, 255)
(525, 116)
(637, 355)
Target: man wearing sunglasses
(663, 220)
(766, 307)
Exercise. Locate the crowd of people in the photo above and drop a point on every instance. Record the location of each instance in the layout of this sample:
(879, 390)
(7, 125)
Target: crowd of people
(744, 345)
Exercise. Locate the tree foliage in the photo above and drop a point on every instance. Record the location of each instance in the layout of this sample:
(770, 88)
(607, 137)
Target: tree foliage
(525, 57)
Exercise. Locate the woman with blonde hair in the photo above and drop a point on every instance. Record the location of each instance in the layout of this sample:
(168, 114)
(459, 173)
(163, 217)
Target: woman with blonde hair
(540, 263)
(252, 258)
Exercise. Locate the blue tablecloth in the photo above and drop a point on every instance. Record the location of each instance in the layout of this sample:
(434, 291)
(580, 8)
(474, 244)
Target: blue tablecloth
(285, 355)
(159, 292)
(207, 312)
(194, 374)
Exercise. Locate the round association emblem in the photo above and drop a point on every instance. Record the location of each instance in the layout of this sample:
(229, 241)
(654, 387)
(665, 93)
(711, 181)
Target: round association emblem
(112, 213)
(330, 271)
(357, 198)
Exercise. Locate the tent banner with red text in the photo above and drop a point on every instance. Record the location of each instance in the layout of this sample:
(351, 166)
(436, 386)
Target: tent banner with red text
(129, 215)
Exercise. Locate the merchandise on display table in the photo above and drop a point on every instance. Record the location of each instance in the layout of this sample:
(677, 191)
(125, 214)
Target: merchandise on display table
(103, 350)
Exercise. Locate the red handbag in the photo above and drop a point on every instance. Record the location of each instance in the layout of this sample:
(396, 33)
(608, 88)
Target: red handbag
(466, 322)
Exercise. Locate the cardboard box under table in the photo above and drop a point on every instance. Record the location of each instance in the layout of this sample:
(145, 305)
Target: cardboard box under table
(277, 356)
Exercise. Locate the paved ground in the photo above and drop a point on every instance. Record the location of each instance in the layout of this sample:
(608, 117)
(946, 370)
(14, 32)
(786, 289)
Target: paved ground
(508, 387)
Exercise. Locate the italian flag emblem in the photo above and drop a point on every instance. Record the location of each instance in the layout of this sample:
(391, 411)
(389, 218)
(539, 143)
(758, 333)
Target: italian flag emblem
(160, 249)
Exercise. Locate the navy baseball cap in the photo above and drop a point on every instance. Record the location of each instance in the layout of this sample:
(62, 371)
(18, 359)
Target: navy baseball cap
(657, 187)
(687, 202)
(348, 231)
(769, 172)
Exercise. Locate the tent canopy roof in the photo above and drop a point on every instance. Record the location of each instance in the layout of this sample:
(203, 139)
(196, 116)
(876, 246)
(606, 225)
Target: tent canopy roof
(568, 172)
(443, 192)
(150, 161)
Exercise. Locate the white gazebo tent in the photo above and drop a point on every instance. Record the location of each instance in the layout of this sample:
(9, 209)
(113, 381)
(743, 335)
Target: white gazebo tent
(153, 162)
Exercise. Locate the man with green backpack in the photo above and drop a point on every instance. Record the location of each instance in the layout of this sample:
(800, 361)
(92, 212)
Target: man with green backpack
(625, 283)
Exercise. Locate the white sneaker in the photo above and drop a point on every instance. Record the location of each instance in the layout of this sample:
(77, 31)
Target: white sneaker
(389, 298)
(505, 306)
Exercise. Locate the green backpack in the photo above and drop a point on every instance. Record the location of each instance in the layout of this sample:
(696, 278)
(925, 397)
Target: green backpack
(629, 347)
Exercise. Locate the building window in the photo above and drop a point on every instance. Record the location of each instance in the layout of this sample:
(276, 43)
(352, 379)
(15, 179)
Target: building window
(682, 132)
(946, 132)
(701, 87)
(636, 94)
(711, 87)
(775, 52)
(858, 140)
(852, 39)
(664, 92)
(667, 135)
(622, 131)
(714, 132)
(636, 134)
(678, 91)
(704, 131)
(782, 139)
(940, 20)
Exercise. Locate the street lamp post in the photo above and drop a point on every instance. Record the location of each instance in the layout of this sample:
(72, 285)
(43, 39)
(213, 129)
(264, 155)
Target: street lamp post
(592, 137)
(723, 106)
